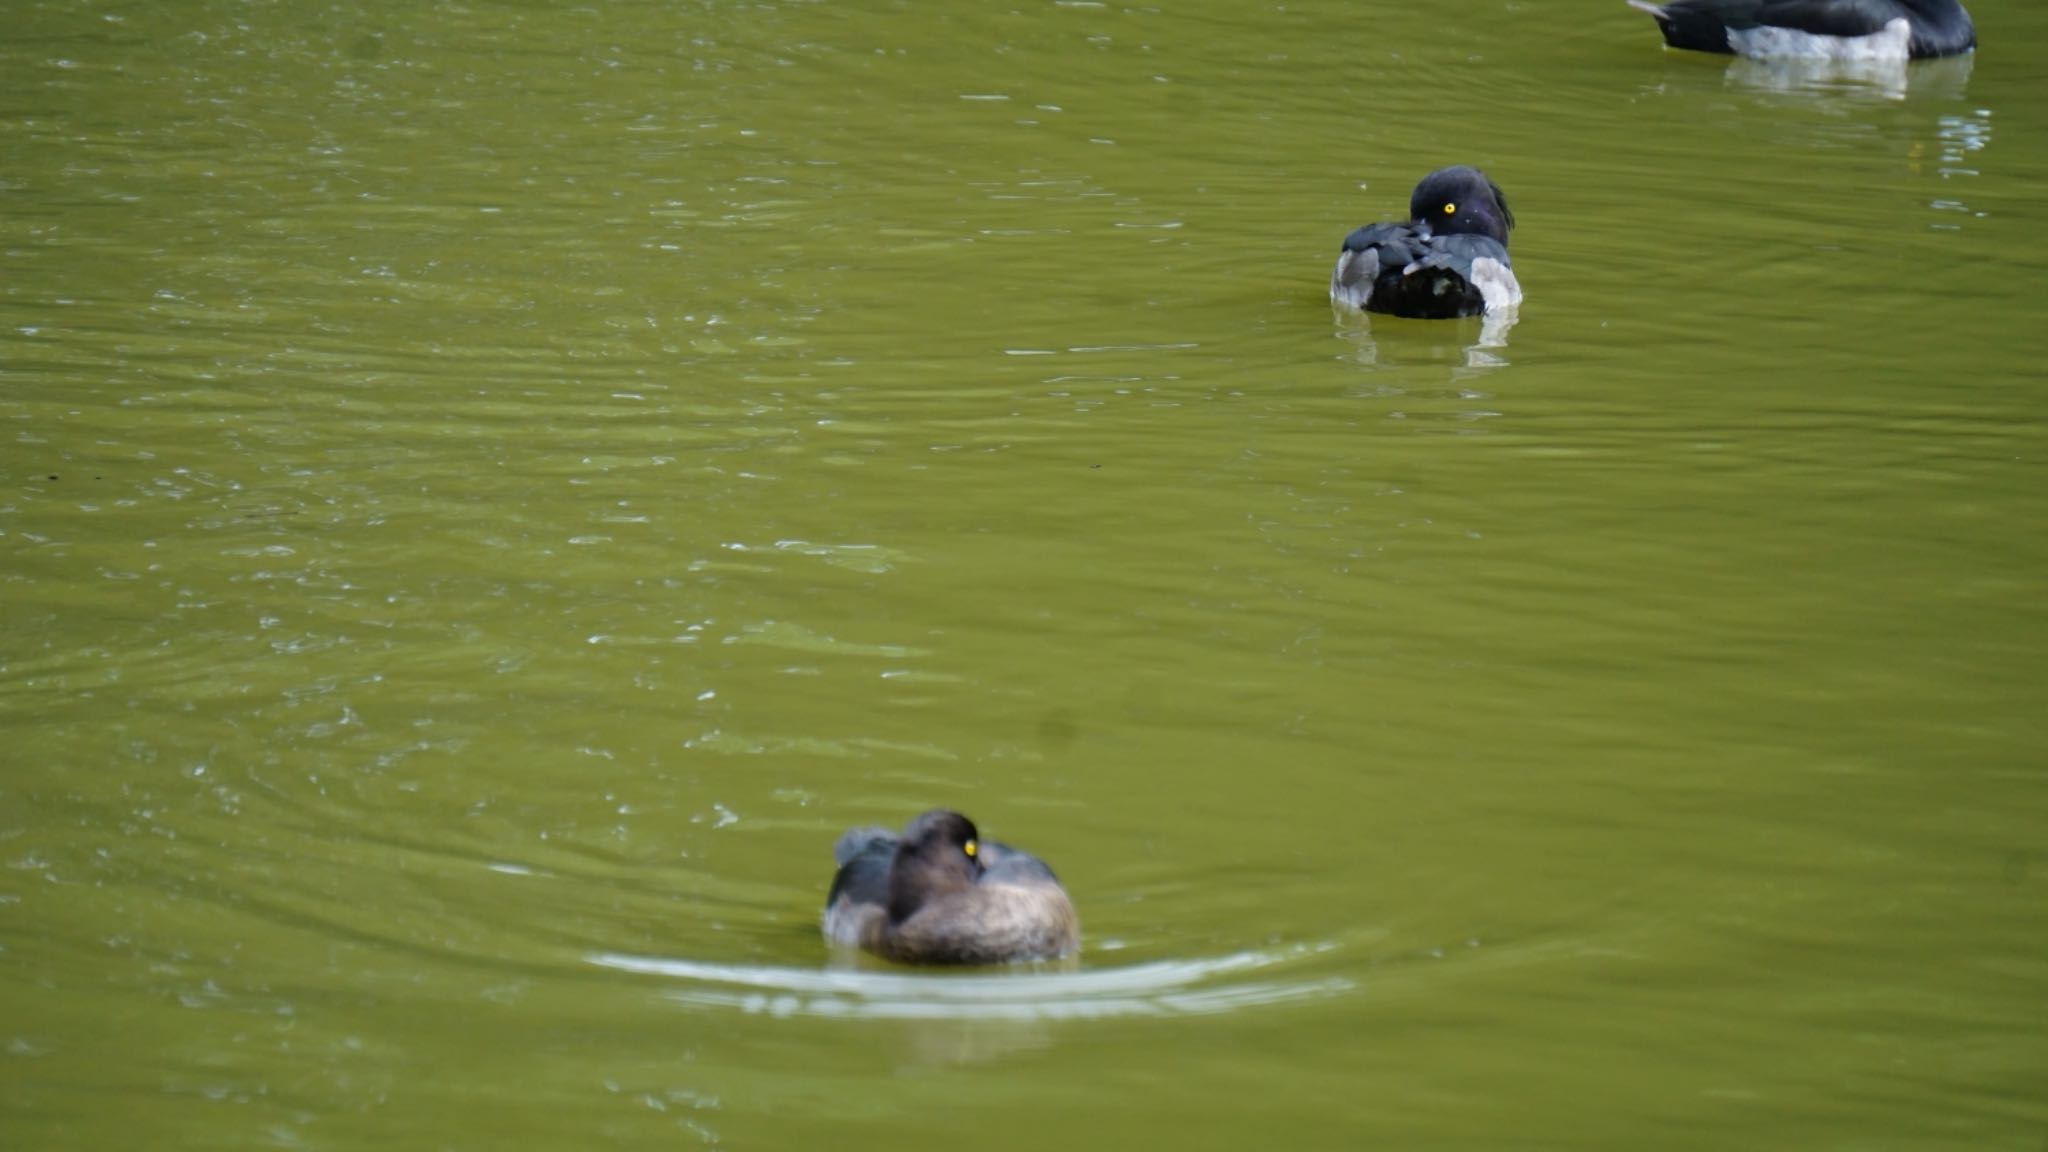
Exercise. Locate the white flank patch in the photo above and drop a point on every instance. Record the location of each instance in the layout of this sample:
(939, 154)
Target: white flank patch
(1352, 280)
(1496, 283)
(1894, 43)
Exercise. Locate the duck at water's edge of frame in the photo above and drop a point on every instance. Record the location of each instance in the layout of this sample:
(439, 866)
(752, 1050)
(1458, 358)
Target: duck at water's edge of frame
(1817, 29)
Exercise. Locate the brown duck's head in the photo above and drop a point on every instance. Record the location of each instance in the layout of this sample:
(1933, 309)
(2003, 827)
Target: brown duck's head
(939, 853)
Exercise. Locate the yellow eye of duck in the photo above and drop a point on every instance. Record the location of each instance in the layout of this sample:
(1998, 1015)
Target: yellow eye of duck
(1450, 209)
(968, 847)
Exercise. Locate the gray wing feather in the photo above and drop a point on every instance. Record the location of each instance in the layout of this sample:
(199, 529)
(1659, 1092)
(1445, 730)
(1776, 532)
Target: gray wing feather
(856, 840)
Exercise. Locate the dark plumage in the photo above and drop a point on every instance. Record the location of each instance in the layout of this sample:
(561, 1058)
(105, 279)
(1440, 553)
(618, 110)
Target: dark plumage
(939, 894)
(1449, 259)
(1836, 29)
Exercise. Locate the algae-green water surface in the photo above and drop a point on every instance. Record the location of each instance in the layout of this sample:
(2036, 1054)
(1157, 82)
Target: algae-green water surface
(489, 491)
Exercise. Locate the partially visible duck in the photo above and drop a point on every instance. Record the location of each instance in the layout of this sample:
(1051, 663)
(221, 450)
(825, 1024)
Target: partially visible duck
(1826, 29)
(940, 894)
(1450, 258)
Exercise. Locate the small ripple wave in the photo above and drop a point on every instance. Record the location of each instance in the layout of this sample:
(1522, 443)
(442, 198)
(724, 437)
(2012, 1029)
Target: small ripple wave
(1198, 987)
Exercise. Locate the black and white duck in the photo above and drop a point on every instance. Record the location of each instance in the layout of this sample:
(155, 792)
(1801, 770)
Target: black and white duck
(1817, 29)
(1449, 258)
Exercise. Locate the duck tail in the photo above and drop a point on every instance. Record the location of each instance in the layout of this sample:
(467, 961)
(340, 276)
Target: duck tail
(1652, 9)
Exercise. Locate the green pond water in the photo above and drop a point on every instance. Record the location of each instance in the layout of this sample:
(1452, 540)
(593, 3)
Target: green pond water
(488, 492)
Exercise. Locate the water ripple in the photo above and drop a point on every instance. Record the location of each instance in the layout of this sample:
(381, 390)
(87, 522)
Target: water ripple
(1165, 988)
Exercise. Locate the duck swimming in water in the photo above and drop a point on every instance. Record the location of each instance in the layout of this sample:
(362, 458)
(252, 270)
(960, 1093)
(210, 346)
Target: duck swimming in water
(1817, 29)
(940, 894)
(1449, 259)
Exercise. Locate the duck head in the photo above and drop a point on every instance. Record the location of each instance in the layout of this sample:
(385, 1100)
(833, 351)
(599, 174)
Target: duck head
(1461, 199)
(939, 853)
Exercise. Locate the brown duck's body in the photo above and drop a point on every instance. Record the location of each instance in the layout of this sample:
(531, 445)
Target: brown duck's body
(938, 894)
